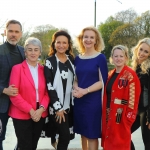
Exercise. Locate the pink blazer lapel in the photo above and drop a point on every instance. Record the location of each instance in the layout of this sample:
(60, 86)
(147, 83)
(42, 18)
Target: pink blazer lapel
(28, 73)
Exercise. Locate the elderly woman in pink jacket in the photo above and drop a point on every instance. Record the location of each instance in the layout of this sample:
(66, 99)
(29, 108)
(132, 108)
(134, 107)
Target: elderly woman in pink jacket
(28, 108)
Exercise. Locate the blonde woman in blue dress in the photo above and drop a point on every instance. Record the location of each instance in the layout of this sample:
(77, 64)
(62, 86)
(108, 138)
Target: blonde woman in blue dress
(91, 75)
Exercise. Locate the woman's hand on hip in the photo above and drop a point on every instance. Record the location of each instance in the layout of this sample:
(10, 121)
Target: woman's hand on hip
(60, 116)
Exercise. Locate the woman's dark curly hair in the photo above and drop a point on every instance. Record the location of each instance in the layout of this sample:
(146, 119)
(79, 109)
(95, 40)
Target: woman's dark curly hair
(52, 46)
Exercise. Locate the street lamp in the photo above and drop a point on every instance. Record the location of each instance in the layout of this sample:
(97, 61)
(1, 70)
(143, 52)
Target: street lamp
(95, 13)
(2, 34)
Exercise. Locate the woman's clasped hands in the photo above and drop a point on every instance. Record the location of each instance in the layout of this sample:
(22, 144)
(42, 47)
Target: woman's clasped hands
(79, 92)
(36, 114)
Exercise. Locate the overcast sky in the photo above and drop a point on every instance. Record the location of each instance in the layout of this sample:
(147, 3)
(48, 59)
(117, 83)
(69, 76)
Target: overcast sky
(70, 14)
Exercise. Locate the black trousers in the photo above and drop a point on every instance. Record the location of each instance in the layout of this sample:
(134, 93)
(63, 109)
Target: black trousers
(63, 131)
(141, 121)
(3, 123)
(28, 133)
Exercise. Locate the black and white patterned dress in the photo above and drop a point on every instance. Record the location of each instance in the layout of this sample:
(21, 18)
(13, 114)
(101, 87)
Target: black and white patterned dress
(59, 77)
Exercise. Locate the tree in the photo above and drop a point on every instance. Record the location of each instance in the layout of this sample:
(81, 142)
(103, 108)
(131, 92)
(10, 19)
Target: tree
(25, 35)
(44, 34)
(2, 23)
(125, 35)
(2, 26)
(106, 29)
(130, 33)
(127, 16)
(125, 28)
(75, 51)
(120, 29)
(143, 25)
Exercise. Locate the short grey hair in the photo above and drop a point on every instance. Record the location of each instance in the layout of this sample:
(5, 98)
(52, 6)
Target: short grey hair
(33, 41)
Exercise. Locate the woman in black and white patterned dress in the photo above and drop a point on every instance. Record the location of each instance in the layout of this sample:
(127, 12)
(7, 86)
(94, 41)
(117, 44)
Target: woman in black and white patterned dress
(59, 74)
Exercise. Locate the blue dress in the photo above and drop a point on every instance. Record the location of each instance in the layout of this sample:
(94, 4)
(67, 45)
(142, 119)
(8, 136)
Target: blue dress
(88, 109)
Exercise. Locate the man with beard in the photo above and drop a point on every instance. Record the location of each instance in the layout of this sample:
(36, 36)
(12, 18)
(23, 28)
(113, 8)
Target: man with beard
(10, 55)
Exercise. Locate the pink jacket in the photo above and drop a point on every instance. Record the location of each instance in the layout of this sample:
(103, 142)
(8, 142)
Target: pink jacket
(26, 98)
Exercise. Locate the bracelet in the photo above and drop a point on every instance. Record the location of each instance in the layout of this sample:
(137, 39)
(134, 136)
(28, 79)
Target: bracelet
(42, 107)
(88, 90)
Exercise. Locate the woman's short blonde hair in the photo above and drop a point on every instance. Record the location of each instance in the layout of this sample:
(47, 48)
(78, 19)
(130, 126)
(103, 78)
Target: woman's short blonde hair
(99, 45)
(124, 49)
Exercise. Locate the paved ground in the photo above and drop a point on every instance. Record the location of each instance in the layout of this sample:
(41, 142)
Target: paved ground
(68, 149)
(44, 143)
